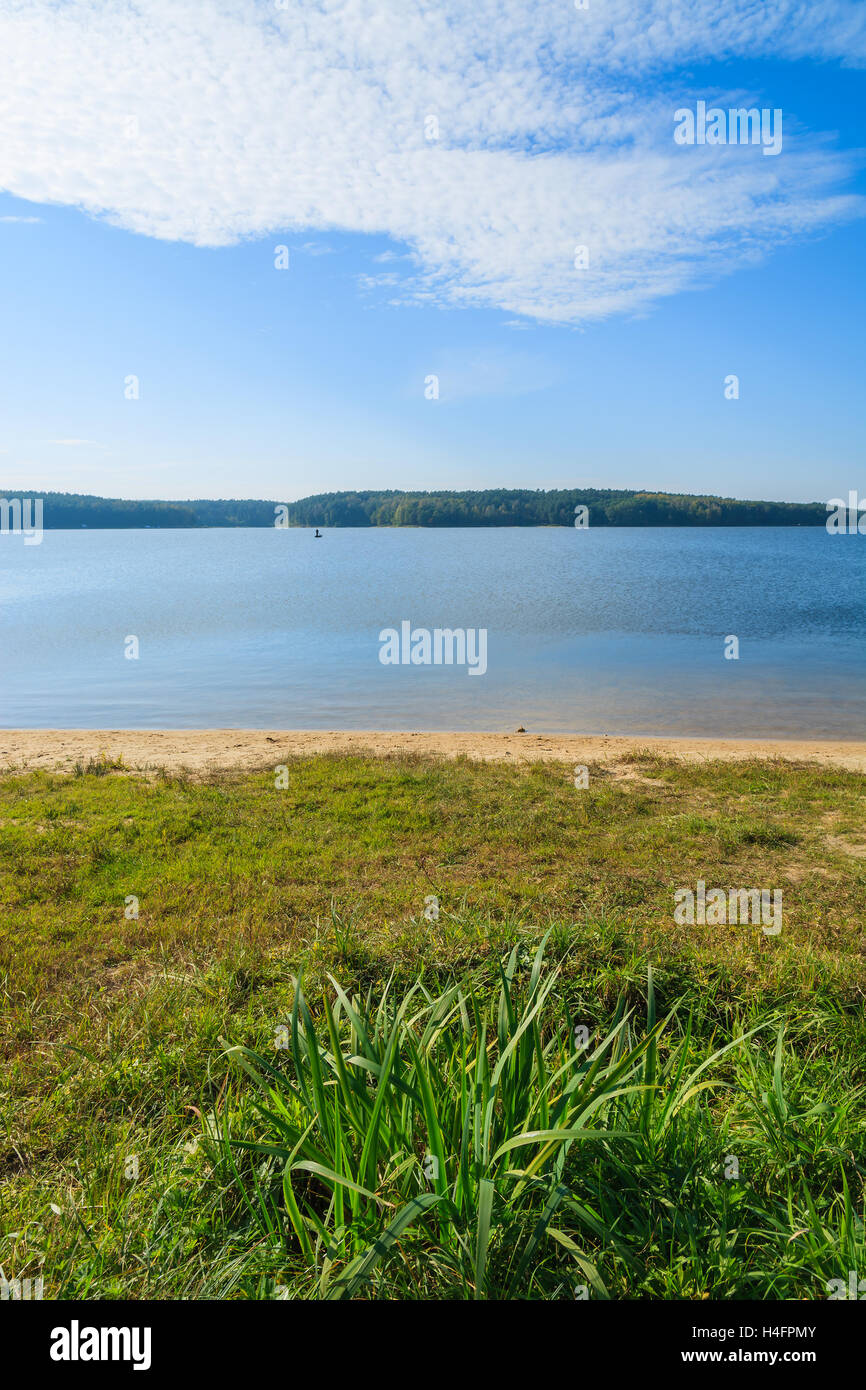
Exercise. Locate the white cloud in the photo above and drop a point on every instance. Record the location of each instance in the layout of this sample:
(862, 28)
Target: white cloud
(230, 119)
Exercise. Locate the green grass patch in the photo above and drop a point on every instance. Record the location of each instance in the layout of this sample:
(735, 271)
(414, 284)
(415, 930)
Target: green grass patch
(154, 925)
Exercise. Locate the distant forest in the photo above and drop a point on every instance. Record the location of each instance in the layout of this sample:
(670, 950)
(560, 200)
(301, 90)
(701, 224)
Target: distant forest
(493, 507)
(523, 507)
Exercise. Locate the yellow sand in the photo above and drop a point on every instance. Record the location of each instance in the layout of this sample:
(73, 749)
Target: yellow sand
(210, 749)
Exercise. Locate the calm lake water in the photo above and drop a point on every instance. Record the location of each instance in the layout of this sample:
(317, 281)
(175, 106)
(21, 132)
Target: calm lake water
(589, 631)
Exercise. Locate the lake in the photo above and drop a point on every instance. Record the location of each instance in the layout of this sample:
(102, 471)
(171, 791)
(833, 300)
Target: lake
(617, 631)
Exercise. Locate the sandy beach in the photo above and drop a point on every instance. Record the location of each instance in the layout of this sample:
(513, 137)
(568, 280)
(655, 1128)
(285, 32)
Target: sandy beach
(204, 750)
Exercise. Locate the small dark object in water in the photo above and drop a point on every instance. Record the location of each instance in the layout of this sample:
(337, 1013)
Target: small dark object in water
(521, 730)
(318, 535)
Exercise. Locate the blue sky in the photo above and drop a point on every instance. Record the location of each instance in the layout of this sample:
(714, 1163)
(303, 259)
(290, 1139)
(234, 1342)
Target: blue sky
(152, 163)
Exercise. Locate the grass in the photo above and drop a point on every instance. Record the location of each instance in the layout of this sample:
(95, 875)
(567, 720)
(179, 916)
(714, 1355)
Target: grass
(241, 1061)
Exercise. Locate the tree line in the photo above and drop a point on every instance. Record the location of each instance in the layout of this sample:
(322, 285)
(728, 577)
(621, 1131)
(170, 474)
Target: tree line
(524, 507)
(392, 507)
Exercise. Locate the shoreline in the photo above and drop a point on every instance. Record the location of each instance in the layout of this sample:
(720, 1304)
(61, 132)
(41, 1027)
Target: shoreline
(203, 750)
